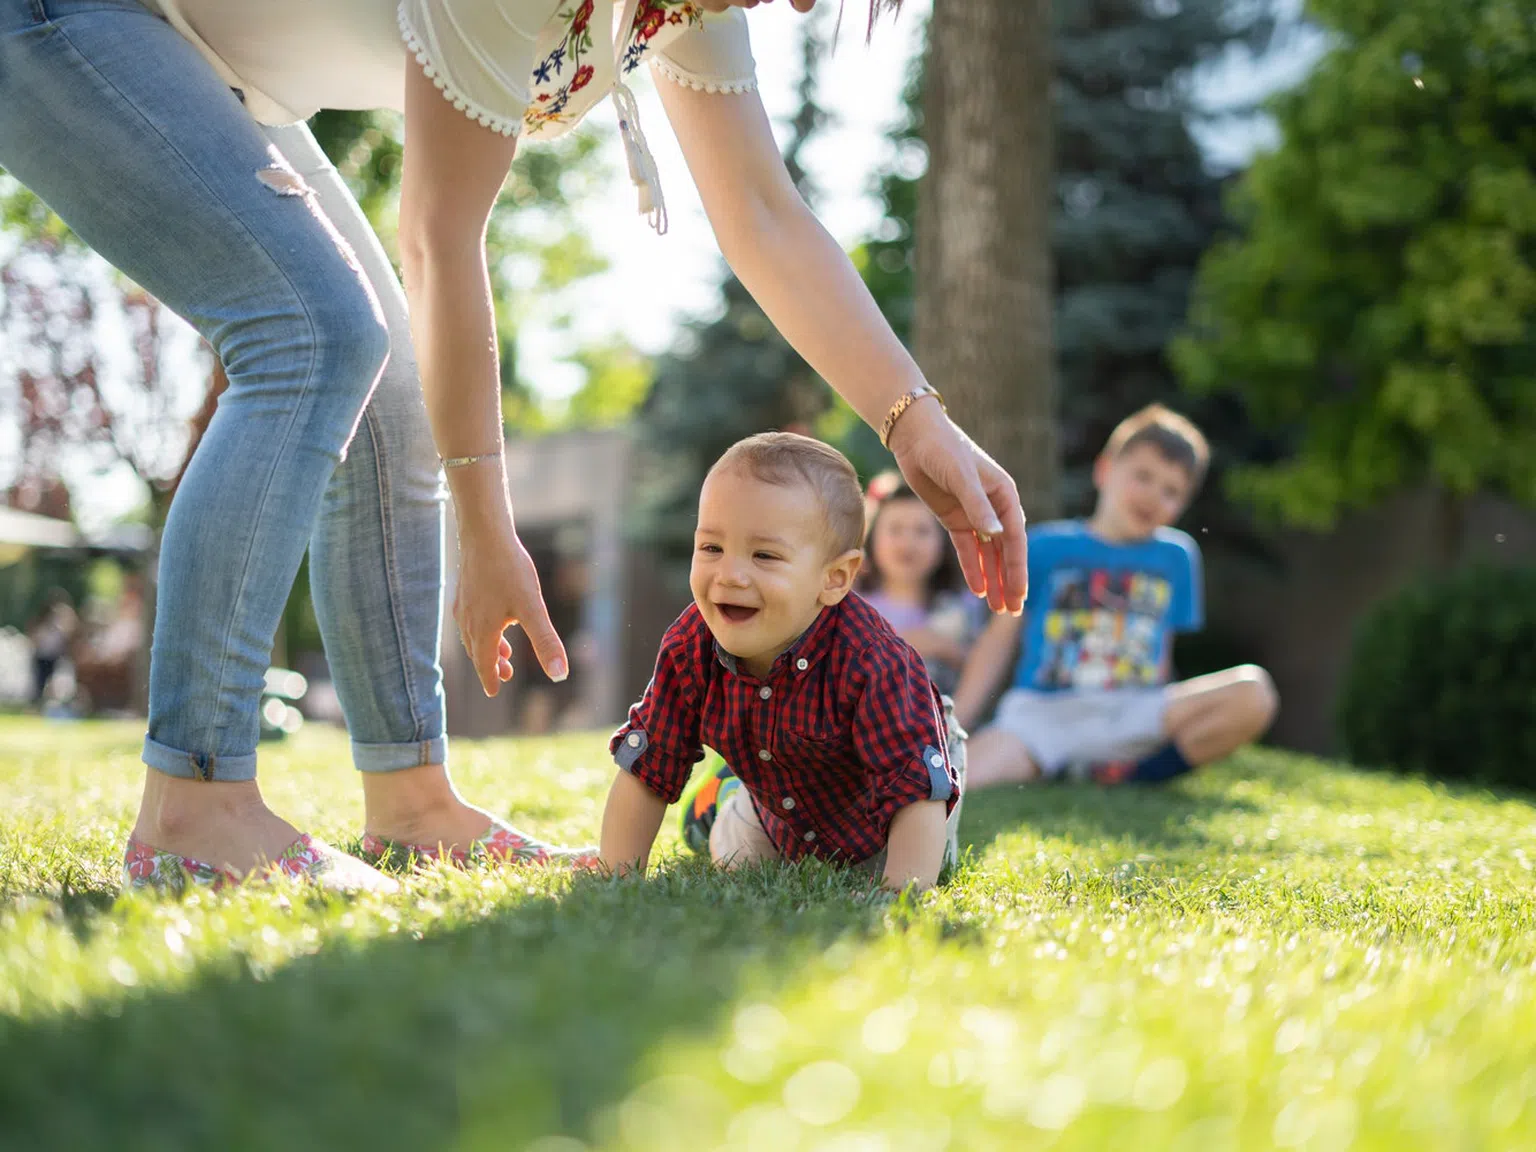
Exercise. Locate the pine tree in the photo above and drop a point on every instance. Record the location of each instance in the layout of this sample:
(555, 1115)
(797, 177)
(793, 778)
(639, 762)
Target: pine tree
(1136, 207)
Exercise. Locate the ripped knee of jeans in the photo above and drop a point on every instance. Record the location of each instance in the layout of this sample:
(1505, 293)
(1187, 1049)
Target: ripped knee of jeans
(283, 180)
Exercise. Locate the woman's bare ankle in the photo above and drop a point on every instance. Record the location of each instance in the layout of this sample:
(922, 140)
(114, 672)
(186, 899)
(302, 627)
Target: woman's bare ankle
(223, 823)
(420, 806)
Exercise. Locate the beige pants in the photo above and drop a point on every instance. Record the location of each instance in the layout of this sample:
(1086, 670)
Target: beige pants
(738, 838)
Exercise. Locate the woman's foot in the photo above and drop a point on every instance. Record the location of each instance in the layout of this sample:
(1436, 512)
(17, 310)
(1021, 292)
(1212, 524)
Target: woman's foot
(223, 824)
(417, 811)
(220, 832)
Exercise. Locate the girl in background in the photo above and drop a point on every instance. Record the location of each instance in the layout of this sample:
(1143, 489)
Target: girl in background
(912, 579)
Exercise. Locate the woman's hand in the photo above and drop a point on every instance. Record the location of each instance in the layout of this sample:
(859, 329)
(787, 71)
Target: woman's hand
(498, 587)
(975, 500)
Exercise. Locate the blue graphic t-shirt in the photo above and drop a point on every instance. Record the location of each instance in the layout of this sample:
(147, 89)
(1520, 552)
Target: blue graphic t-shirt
(1102, 615)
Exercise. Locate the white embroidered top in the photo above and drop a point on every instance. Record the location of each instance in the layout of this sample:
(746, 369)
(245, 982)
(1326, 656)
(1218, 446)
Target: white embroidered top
(520, 67)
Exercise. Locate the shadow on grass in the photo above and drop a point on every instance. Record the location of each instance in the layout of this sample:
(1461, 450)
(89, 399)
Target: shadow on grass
(529, 1022)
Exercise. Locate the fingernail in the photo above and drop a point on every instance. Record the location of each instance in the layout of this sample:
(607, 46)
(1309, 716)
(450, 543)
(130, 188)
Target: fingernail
(557, 670)
(992, 528)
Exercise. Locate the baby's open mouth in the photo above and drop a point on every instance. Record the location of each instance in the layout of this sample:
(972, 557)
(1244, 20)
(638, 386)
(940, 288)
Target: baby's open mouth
(736, 613)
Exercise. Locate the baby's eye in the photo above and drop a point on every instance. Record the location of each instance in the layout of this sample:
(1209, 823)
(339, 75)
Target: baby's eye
(712, 549)
(764, 556)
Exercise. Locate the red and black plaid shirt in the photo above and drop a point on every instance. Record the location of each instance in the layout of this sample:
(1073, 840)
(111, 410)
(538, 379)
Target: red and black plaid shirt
(844, 732)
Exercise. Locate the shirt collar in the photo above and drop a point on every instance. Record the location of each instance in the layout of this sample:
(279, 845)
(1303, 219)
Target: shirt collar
(802, 655)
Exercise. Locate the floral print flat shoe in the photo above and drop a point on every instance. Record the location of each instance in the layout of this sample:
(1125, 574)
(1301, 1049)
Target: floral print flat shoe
(307, 859)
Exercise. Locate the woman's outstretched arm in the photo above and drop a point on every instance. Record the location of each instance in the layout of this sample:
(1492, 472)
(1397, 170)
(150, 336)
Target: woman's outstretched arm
(810, 290)
(453, 169)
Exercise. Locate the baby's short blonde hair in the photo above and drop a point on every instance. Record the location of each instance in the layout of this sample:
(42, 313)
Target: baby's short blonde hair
(784, 458)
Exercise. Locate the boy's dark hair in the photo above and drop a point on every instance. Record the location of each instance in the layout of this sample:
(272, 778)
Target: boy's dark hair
(784, 458)
(885, 490)
(1175, 437)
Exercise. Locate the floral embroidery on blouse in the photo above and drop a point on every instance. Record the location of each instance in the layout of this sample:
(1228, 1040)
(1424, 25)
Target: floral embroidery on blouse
(567, 68)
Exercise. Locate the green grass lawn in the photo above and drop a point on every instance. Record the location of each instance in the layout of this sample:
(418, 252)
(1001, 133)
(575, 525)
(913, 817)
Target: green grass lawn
(1281, 953)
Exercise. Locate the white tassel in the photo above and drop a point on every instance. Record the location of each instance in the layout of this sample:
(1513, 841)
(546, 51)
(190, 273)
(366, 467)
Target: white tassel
(642, 165)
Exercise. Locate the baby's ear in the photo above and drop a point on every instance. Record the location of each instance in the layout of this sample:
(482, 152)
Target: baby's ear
(841, 572)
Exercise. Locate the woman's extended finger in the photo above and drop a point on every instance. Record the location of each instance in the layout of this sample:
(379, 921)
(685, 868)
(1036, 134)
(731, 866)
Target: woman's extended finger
(1011, 552)
(482, 650)
(968, 552)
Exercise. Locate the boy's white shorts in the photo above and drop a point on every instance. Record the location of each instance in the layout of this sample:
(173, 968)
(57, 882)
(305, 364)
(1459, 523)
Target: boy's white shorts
(1071, 730)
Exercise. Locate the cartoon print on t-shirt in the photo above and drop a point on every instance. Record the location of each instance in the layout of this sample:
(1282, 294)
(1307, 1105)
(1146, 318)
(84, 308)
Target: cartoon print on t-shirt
(1102, 629)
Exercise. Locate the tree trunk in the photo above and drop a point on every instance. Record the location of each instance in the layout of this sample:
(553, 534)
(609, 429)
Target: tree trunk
(983, 312)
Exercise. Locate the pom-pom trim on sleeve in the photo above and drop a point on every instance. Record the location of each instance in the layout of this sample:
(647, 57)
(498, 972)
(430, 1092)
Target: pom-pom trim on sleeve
(475, 112)
(677, 76)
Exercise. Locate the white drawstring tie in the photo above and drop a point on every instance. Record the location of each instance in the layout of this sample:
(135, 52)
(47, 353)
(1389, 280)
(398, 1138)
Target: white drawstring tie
(642, 165)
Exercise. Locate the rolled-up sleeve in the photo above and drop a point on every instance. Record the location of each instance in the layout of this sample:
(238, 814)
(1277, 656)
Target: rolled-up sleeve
(480, 53)
(899, 732)
(715, 56)
(660, 743)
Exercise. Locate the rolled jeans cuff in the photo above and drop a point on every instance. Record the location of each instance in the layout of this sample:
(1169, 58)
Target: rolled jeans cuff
(395, 757)
(198, 765)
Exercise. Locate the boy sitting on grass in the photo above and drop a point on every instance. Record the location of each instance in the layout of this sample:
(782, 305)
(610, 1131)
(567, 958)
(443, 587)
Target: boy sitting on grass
(1090, 695)
(826, 717)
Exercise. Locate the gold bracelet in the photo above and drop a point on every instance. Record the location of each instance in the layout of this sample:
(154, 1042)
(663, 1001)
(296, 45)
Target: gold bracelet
(902, 405)
(461, 461)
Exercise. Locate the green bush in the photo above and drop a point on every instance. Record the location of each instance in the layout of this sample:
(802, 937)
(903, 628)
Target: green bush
(1442, 680)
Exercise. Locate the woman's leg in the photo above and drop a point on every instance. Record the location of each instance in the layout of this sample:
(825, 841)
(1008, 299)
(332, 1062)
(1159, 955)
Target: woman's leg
(376, 565)
(114, 120)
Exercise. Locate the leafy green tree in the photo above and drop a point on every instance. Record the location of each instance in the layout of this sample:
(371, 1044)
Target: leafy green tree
(1375, 307)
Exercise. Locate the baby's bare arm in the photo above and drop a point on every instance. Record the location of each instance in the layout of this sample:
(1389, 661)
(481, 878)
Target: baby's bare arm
(915, 852)
(630, 822)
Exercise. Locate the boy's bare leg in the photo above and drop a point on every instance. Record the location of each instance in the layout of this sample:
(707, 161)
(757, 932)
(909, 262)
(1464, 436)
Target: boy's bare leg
(1211, 716)
(996, 756)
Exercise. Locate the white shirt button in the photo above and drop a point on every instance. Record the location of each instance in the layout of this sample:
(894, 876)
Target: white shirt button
(808, 837)
(937, 761)
(765, 692)
(633, 740)
(764, 754)
(802, 663)
(788, 802)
